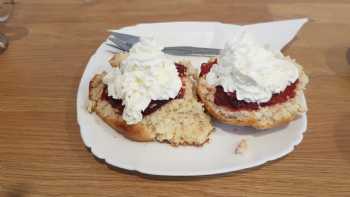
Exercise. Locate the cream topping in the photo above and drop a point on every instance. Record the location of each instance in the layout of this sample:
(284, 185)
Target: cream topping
(145, 75)
(253, 71)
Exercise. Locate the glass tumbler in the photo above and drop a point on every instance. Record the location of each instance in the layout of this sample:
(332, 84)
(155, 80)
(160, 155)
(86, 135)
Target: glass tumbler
(6, 7)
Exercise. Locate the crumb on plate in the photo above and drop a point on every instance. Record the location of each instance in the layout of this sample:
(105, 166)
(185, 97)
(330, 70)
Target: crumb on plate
(242, 147)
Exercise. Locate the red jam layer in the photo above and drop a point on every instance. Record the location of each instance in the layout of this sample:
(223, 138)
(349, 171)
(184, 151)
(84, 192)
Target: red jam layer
(229, 99)
(154, 104)
(205, 67)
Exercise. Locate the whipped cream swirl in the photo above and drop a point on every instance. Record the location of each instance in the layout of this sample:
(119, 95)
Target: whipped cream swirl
(252, 71)
(145, 75)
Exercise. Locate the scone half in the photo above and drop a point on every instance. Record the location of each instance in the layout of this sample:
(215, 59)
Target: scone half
(180, 121)
(264, 117)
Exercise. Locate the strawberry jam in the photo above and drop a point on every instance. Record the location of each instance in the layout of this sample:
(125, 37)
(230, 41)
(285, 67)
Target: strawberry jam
(205, 67)
(181, 70)
(154, 104)
(229, 99)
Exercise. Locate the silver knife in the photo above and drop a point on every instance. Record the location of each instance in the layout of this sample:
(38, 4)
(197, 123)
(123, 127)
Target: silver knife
(125, 41)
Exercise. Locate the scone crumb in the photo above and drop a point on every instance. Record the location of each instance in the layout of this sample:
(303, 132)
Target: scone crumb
(91, 106)
(242, 147)
(116, 60)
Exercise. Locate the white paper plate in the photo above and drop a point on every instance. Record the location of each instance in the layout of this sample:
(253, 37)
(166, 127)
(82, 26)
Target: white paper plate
(162, 159)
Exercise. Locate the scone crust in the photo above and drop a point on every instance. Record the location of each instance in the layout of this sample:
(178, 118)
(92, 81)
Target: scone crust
(136, 132)
(264, 118)
(146, 130)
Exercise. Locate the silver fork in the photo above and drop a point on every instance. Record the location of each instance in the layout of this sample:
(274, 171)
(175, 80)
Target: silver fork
(125, 41)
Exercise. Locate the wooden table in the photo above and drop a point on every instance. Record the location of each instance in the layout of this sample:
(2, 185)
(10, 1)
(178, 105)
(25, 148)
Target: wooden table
(41, 151)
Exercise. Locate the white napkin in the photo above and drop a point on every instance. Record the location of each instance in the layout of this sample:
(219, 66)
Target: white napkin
(276, 34)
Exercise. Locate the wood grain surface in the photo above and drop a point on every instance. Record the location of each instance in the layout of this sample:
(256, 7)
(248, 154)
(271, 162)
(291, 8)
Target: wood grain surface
(41, 151)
